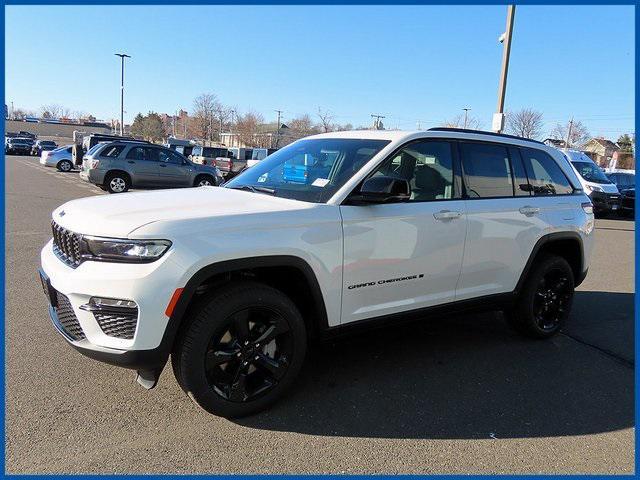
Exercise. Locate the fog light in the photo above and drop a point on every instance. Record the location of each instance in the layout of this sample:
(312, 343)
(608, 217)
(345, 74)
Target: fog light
(101, 303)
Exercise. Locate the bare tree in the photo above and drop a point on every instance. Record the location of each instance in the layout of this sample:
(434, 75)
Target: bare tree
(326, 120)
(458, 121)
(247, 126)
(302, 126)
(579, 133)
(525, 123)
(205, 106)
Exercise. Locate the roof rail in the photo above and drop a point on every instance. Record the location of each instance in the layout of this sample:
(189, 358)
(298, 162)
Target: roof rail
(481, 132)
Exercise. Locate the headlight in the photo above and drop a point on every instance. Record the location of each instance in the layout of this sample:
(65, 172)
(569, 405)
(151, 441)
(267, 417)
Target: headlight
(594, 188)
(121, 250)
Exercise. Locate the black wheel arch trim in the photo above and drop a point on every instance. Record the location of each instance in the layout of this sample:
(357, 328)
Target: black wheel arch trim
(546, 240)
(150, 359)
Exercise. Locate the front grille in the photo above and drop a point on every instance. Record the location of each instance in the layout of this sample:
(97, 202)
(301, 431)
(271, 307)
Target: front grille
(66, 245)
(119, 325)
(67, 318)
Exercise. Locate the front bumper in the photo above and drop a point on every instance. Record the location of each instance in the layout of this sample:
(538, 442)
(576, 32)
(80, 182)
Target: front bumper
(149, 285)
(605, 202)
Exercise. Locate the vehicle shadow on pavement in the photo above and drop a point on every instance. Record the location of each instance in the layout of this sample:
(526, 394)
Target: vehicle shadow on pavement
(466, 377)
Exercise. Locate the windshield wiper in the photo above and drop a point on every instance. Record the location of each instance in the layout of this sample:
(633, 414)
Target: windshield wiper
(251, 188)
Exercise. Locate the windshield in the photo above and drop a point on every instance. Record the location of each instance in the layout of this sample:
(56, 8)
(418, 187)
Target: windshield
(591, 172)
(309, 170)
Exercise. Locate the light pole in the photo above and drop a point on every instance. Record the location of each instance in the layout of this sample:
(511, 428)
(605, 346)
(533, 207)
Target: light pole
(498, 117)
(122, 57)
(466, 111)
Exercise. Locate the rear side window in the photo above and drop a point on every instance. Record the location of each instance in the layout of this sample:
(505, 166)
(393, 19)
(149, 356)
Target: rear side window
(545, 176)
(112, 151)
(487, 170)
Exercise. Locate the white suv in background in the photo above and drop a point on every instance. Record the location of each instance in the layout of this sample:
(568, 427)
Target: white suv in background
(332, 231)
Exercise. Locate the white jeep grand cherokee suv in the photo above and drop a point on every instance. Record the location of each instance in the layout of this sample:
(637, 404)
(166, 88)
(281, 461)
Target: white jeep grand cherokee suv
(333, 230)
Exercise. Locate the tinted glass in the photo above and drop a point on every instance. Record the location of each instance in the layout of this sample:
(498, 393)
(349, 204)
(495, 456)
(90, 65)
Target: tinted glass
(136, 153)
(310, 170)
(93, 149)
(427, 166)
(545, 176)
(487, 170)
(151, 154)
(197, 151)
(522, 188)
(112, 151)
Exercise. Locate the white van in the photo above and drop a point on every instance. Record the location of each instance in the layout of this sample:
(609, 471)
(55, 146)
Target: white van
(603, 192)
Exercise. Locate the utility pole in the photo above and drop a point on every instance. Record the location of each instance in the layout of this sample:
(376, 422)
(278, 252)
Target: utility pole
(419, 125)
(566, 143)
(466, 111)
(279, 112)
(498, 117)
(377, 123)
(122, 57)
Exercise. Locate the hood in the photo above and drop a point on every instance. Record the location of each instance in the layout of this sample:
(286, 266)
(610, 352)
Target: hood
(607, 187)
(120, 214)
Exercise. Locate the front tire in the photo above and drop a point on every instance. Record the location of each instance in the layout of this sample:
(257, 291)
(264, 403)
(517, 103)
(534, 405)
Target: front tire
(117, 183)
(204, 180)
(544, 304)
(243, 348)
(65, 166)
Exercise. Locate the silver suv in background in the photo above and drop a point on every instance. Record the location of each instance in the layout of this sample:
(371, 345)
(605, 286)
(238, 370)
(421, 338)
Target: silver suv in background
(117, 166)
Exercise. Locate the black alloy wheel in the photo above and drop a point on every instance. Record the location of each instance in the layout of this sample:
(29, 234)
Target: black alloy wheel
(552, 299)
(544, 302)
(249, 355)
(241, 347)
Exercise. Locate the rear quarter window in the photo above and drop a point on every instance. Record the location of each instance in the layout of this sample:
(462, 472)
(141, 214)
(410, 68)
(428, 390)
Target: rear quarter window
(545, 175)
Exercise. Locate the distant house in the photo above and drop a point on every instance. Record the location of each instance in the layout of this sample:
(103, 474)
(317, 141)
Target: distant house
(555, 142)
(600, 150)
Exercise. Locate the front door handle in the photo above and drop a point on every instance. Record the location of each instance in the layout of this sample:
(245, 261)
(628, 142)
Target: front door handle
(529, 210)
(130, 161)
(163, 166)
(447, 215)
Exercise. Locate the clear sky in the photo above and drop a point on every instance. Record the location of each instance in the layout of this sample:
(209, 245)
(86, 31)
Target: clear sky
(408, 63)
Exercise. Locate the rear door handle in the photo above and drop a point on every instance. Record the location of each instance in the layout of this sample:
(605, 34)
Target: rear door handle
(529, 210)
(447, 215)
(130, 161)
(163, 166)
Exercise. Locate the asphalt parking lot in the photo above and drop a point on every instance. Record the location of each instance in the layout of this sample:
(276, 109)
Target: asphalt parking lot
(462, 396)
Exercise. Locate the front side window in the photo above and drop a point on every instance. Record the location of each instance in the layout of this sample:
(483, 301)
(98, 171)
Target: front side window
(309, 170)
(545, 176)
(487, 170)
(427, 166)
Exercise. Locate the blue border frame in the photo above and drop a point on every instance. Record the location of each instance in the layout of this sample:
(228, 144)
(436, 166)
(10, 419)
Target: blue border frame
(311, 2)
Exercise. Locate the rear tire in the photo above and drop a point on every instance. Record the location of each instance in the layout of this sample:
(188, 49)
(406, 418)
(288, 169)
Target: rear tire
(117, 182)
(243, 347)
(544, 304)
(65, 166)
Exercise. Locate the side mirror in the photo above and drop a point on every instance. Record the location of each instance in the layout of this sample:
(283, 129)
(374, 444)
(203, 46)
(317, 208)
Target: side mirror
(385, 190)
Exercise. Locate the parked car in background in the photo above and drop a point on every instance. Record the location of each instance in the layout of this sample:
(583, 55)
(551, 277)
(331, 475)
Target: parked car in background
(18, 146)
(235, 162)
(89, 141)
(602, 191)
(60, 158)
(626, 183)
(208, 155)
(118, 166)
(259, 154)
(23, 134)
(43, 146)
